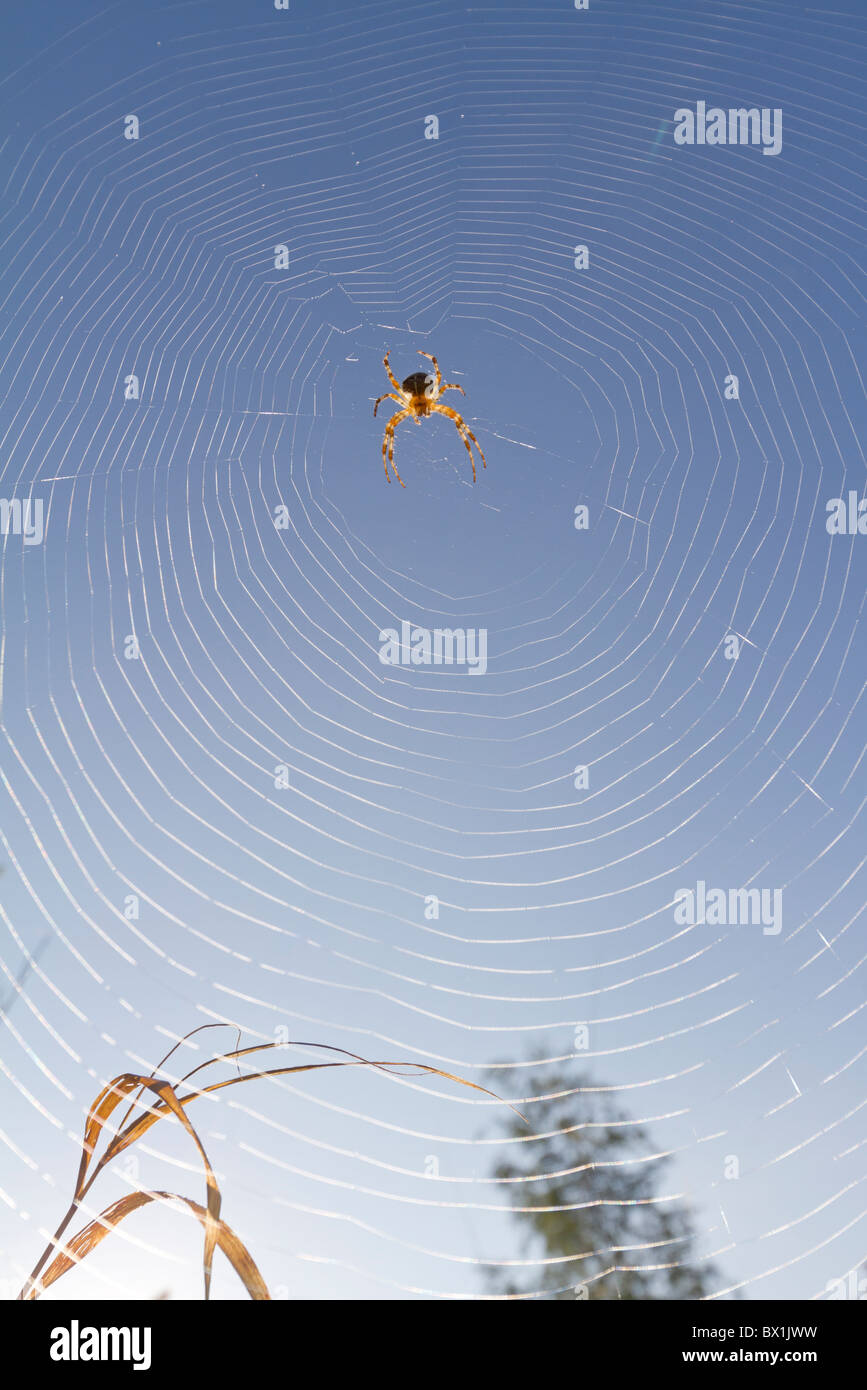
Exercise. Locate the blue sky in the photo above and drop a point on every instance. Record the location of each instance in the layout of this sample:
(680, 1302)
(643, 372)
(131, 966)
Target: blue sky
(303, 908)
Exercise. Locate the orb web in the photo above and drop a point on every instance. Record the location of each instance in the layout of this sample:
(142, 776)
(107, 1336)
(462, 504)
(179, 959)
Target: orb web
(220, 805)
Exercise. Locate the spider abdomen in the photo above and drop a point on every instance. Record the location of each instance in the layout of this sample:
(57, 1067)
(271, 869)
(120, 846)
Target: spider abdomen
(418, 384)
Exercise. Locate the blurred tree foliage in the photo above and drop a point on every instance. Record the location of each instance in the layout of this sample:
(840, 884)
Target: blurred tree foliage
(596, 1193)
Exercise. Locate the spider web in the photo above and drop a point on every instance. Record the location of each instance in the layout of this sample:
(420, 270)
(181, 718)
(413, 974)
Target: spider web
(242, 815)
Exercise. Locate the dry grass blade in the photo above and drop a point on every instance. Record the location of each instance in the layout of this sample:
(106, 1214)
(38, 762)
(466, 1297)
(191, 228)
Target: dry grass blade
(140, 1126)
(169, 1099)
(97, 1117)
(170, 1103)
(100, 1112)
(92, 1234)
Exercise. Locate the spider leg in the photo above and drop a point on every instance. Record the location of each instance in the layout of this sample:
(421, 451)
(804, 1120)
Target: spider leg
(463, 430)
(391, 377)
(439, 381)
(389, 396)
(452, 386)
(388, 443)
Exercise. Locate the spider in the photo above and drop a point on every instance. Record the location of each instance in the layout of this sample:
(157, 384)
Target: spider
(419, 396)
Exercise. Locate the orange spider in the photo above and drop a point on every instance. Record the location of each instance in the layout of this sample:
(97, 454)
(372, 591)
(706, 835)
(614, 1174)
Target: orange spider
(419, 396)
